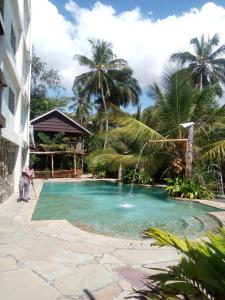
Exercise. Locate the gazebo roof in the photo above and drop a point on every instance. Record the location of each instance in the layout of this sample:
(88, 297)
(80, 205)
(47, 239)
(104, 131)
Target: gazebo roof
(57, 121)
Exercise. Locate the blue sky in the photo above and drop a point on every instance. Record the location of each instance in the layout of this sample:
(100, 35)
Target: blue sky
(145, 38)
(157, 8)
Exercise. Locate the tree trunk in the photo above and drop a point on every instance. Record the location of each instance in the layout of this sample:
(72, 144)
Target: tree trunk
(106, 119)
(201, 84)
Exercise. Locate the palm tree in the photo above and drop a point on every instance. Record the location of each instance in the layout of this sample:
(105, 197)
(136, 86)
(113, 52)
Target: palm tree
(101, 79)
(175, 104)
(82, 105)
(127, 89)
(126, 143)
(206, 64)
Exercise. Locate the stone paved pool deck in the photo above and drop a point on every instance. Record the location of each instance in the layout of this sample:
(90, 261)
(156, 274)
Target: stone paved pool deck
(53, 260)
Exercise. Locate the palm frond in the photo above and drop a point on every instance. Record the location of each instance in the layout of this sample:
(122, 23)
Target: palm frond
(214, 41)
(140, 132)
(217, 52)
(197, 45)
(213, 152)
(175, 100)
(84, 61)
(183, 58)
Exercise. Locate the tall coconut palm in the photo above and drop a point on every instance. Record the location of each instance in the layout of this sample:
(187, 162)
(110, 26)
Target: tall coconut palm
(81, 105)
(127, 89)
(207, 64)
(104, 69)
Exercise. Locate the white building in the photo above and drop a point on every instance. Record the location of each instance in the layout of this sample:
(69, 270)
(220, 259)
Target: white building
(15, 69)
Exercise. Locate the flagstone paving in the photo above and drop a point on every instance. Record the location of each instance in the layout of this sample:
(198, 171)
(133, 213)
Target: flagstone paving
(53, 260)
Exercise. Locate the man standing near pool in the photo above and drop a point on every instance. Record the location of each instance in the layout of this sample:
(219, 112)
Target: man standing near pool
(25, 180)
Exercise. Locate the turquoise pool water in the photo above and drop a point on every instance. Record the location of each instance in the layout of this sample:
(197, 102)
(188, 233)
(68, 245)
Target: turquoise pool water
(107, 208)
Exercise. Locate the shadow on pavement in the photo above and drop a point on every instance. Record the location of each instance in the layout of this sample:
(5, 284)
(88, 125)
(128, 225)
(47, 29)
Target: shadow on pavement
(89, 294)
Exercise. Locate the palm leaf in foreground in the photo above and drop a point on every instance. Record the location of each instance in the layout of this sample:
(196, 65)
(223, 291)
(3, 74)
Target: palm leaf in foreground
(198, 275)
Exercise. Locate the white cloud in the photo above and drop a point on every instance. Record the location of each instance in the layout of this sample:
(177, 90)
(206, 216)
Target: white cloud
(144, 42)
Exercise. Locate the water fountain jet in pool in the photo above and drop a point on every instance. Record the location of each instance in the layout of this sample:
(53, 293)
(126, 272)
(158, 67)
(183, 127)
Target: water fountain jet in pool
(214, 171)
(126, 205)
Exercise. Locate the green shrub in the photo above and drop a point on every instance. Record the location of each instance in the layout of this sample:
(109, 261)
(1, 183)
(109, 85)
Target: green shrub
(98, 169)
(198, 275)
(187, 188)
(47, 173)
(141, 177)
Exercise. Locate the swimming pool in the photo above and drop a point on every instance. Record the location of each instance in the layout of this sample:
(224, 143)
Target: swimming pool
(108, 208)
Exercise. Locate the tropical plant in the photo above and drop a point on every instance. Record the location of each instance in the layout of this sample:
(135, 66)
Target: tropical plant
(139, 176)
(104, 71)
(57, 142)
(175, 104)
(126, 143)
(81, 104)
(144, 140)
(187, 188)
(47, 173)
(175, 101)
(198, 275)
(206, 64)
(125, 92)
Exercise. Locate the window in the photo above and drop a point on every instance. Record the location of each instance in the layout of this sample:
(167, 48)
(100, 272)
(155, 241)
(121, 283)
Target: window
(23, 116)
(11, 103)
(13, 40)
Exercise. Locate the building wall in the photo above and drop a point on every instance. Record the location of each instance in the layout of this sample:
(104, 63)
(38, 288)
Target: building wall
(16, 67)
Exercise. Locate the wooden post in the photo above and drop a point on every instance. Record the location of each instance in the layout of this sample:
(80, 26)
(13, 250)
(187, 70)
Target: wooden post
(82, 158)
(82, 164)
(52, 165)
(75, 163)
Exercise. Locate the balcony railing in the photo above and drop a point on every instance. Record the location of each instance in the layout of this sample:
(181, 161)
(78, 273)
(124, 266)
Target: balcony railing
(72, 147)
